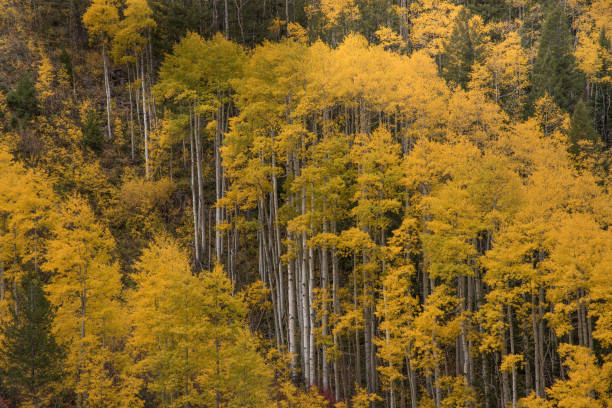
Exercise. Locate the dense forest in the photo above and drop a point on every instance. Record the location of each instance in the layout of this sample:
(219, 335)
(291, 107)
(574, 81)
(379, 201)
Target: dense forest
(305, 203)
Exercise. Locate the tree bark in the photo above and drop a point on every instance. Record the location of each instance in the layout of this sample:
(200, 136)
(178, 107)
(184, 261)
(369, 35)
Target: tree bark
(510, 325)
(218, 186)
(311, 314)
(291, 300)
(305, 305)
(107, 89)
(131, 115)
(325, 287)
(200, 182)
(144, 114)
(226, 20)
(194, 202)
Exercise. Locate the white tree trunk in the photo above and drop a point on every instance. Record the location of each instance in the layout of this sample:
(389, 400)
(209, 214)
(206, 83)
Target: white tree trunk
(194, 202)
(218, 186)
(132, 115)
(144, 114)
(291, 302)
(107, 89)
(305, 306)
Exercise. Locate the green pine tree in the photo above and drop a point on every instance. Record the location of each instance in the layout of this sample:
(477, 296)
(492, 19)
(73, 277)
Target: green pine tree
(92, 131)
(582, 128)
(555, 70)
(31, 358)
(465, 46)
(490, 10)
(22, 101)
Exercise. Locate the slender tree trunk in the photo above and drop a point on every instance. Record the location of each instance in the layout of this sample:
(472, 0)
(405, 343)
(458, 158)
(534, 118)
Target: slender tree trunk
(580, 328)
(438, 391)
(590, 331)
(536, 359)
(277, 234)
(464, 345)
(325, 287)
(260, 232)
(15, 265)
(479, 290)
(107, 89)
(217, 396)
(300, 308)
(15, 303)
(131, 115)
(510, 325)
(504, 374)
(387, 340)
(194, 202)
(541, 339)
(305, 304)
(287, 16)
(83, 271)
(200, 182)
(137, 102)
(144, 114)
(357, 345)
(367, 340)
(291, 300)
(2, 290)
(311, 310)
(226, 20)
(412, 383)
(218, 185)
(528, 384)
(336, 306)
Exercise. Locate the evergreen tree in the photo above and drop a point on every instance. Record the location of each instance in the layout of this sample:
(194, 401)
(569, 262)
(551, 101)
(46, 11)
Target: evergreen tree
(495, 10)
(555, 70)
(66, 60)
(465, 46)
(31, 359)
(22, 101)
(92, 132)
(581, 128)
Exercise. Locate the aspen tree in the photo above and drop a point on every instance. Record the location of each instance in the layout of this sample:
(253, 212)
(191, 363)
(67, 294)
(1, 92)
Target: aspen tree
(86, 290)
(130, 45)
(101, 20)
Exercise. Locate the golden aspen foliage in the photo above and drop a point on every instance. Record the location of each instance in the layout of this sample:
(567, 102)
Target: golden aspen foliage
(26, 210)
(434, 328)
(336, 17)
(334, 10)
(592, 24)
(587, 384)
(297, 32)
(45, 78)
(347, 203)
(432, 24)
(378, 179)
(86, 290)
(389, 39)
(101, 18)
(187, 333)
(549, 116)
(131, 33)
(579, 250)
(458, 393)
(362, 399)
(397, 310)
(503, 75)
